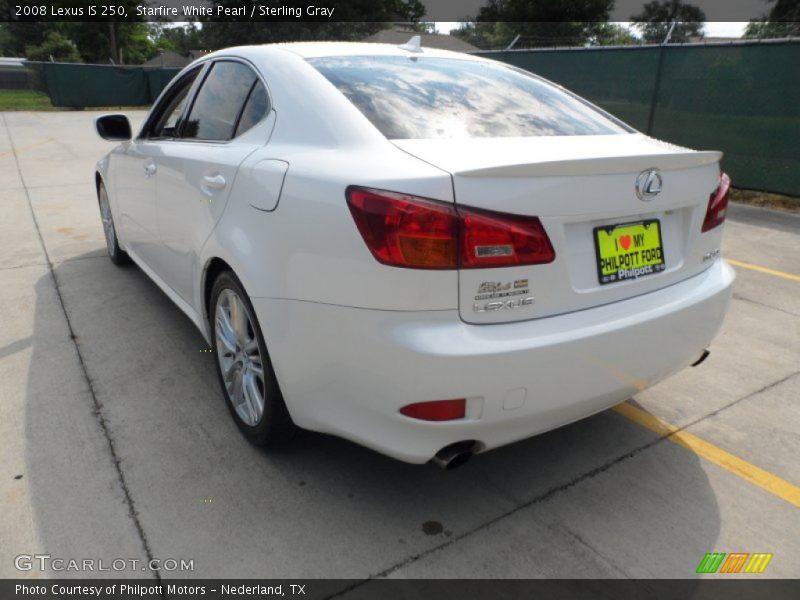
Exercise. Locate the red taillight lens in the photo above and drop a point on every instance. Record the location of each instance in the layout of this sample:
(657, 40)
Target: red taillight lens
(717, 204)
(407, 231)
(436, 410)
(492, 239)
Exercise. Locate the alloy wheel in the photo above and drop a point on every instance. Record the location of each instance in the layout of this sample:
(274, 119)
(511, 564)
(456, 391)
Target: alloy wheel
(108, 222)
(239, 357)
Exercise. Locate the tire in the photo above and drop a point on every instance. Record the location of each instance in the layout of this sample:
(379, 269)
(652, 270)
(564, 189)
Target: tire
(244, 387)
(117, 255)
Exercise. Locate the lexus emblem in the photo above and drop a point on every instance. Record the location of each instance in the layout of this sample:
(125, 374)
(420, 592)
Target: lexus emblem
(648, 184)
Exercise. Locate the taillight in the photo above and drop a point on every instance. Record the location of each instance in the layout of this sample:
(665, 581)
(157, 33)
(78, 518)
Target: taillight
(717, 204)
(491, 239)
(436, 410)
(407, 231)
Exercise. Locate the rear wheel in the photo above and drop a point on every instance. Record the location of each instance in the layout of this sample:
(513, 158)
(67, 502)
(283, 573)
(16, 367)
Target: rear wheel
(117, 255)
(245, 372)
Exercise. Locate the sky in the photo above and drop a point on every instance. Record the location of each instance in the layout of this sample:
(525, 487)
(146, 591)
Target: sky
(713, 28)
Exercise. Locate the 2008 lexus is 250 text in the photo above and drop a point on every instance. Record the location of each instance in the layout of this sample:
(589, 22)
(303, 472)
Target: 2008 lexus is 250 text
(431, 254)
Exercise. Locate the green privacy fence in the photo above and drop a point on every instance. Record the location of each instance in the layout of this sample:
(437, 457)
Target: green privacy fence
(80, 85)
(741, 98)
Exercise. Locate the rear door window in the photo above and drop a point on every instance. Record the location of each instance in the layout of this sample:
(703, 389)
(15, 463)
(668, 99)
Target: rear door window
(214, 116)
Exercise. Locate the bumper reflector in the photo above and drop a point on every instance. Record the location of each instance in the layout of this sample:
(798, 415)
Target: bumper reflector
(436, 410)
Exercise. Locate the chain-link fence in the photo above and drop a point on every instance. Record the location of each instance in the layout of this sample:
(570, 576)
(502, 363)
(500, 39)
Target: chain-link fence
(742, 98)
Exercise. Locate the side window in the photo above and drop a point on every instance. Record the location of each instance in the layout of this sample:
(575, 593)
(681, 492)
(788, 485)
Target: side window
(254, 109)
(171, 107)
(219, 102)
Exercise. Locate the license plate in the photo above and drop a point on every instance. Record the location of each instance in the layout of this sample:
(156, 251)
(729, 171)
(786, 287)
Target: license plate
(628, 251)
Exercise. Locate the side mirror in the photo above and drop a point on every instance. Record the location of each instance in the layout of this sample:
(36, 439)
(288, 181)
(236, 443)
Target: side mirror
(114, 128)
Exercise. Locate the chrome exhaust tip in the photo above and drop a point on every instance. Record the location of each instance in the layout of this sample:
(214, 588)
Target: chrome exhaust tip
(453, 456)
(703, 356)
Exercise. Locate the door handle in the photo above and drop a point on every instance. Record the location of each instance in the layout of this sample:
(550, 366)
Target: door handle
(149, 169)
(214, 182)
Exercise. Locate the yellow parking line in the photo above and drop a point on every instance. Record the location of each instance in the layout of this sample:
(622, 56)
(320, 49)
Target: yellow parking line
(760, 269)
(741, 468)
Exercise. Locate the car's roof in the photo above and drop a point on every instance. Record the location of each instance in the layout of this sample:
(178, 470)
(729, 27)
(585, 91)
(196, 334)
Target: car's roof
(320, 49)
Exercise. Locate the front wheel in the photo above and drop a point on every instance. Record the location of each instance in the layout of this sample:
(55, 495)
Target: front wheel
(245, 372)
(117, 255)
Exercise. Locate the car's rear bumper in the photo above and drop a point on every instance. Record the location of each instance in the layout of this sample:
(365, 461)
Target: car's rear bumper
(348, 371)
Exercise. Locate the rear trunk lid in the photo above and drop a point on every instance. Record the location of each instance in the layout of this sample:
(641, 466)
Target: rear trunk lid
(582, 188)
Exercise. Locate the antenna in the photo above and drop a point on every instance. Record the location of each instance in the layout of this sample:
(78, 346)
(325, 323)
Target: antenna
(413, 45)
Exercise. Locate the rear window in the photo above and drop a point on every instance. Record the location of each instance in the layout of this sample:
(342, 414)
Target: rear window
(424, 98)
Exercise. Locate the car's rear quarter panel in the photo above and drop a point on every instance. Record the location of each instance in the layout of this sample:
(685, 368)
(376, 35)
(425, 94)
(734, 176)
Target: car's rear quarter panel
(309, 248)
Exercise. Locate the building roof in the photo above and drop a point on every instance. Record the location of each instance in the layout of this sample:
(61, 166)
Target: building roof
(12, 61)
(440, 41)
(195, 54)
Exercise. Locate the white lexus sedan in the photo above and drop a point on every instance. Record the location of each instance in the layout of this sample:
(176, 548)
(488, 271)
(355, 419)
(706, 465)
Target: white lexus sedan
(428, 253)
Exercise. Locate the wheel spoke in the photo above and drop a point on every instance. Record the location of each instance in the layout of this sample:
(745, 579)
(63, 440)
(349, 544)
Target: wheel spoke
(256, 368)
(231, 372)
(237, 392)
(238, 320)
(251, 349)
(252, 397)
(225, 333)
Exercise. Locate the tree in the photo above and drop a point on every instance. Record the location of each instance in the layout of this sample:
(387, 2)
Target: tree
(56, 47)
(110, 39)
(21, 35)
(657, 17)
(356, 20)
(178, 39)
(480, 35)
(782, 21)
(552, 23)
(5, 40)
(611, 34)
(422, 27)
(120, 42)
(96, 41)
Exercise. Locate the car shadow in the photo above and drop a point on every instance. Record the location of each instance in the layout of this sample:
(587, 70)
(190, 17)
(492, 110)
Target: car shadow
(597, 498)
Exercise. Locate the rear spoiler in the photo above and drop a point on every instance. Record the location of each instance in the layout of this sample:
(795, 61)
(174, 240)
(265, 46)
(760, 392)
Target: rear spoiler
(607, 165)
